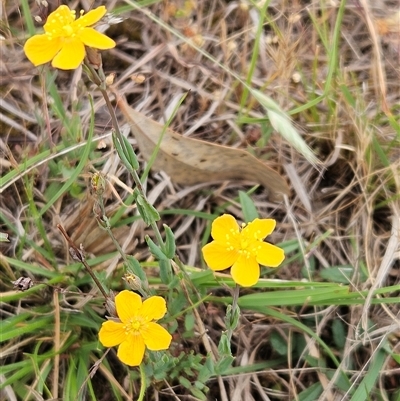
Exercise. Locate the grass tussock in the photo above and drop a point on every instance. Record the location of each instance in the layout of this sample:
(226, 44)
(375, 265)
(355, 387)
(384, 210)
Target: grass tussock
(310, 88)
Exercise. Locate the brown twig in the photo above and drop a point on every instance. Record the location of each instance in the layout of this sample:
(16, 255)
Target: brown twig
(77, 254)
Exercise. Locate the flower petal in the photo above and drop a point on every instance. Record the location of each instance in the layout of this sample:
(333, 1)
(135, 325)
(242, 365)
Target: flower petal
(270, 255)
(153, 308)
(131, 351)
(156, 337)
(71, 55)
(40, 49)
(128, 305)
(112, 333)
(90, 37)
(218, 257)
(246, 271)
(259, 228)
(91, 17)
(223, 226)
(60, 17)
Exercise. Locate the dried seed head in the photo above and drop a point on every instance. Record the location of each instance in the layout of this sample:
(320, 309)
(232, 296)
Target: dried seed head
(110, 79)
(98, 184)
(22, 283)
(78, 256)
(110, 306)
(94, 57)
(133, 281)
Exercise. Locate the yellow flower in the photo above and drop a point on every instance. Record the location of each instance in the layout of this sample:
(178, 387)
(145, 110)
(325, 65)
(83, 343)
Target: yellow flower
(136, 330)
(65, 38)
(243, 249)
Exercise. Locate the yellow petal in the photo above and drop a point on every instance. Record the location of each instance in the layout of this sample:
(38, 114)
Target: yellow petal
(58, 18)
(91, 17)
(112, 333)
(153, 308)
(90, 37)
(156, 337)
(218, 257)
(246, 271)
(131, 351)
(259, 228)
(39, 49)
(71, 55)
(270, 255)
(223, 226)
(128, 305)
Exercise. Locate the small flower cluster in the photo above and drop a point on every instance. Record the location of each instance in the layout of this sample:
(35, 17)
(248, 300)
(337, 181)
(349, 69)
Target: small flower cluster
(133, 325)
(243, 249)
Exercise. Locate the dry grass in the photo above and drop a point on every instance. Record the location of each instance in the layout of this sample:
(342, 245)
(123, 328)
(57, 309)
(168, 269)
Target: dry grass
(345, 213)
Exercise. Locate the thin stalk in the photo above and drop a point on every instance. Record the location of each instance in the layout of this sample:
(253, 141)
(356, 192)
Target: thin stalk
(102, 87)
(104, 222)
(77, 254)
(235, 298)
(142, 382)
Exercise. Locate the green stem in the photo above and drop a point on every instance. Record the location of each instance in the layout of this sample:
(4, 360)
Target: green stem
(235, 298)
(101, 85)
(142, 383)
(105, 223)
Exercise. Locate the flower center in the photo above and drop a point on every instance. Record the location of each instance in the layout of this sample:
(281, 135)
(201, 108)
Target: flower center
(238, 241)
(68, 30)
(63, 26)
(248, 245)
(245, 242)
(134, 325)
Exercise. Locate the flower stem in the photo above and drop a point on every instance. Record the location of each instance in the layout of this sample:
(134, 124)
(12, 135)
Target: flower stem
(104, 222)
(142, 382)
(234, 313)
(101, 86)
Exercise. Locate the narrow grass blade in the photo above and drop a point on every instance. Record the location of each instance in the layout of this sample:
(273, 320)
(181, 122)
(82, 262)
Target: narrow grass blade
(281, 123)
(367, 384)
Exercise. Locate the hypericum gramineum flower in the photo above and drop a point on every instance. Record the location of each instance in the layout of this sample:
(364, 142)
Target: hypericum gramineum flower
(136, 330)
(65, 38)
(242, 248)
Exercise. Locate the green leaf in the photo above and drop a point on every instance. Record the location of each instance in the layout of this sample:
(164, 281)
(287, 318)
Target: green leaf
(339, 333)
(312, 393)
(248, 207)
(198, 394)
(165, 271)
(224, 346)
(396, 357)
(148, 212)
(189, 322)
(170, 247)
(367, 384)
(278, 343)
(223, 364)
(340, 274)
(232, 317)
(185, 382)
(126, 152)
(121, 153)
(155, 249)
